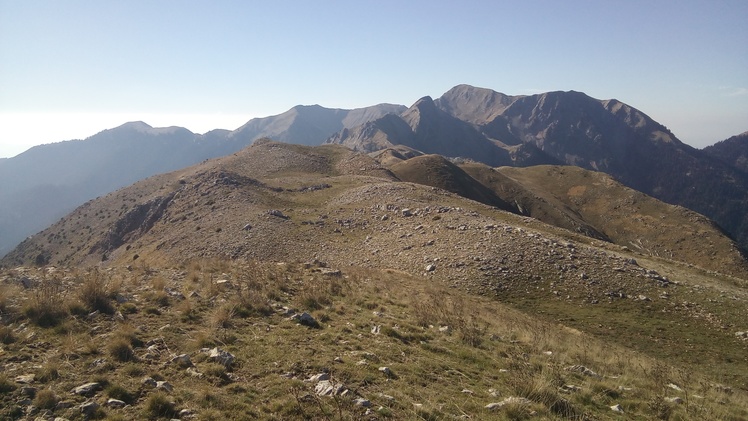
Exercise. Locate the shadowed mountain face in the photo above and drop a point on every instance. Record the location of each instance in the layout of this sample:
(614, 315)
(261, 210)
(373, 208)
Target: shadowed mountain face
(568, 128)
(733, 151)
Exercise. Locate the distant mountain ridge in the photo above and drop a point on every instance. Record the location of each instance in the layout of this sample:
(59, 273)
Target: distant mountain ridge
(310, 124)
(556, 128)
(46, 182)
(732, 151)
(568, 128)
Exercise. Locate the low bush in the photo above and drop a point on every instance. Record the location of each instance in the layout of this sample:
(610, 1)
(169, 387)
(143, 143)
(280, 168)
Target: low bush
(158, 405)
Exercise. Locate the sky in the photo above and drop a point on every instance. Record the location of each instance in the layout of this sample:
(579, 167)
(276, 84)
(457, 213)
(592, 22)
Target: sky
(69, 69)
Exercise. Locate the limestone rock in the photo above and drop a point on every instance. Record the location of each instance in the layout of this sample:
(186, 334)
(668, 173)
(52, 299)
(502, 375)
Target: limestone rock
(89, 408)
(583, 370)
(115, 403)
(330, 388)
(164, 385)
(512, 400)
(220, 356)
(88, 389)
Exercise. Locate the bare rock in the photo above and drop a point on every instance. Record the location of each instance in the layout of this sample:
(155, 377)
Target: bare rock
(583, 370)
(148, 381)
(88, 389)
(330, 388)
(616, 408)
(115, 403)
(220, 356)
(89, 408)
(182, 360)
(25, 379)
(512, 400)
(305, 319)
(164, 385)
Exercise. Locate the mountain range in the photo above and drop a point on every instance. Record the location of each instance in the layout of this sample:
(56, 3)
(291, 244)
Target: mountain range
(465, 124)
(46, 182)
(286, 281)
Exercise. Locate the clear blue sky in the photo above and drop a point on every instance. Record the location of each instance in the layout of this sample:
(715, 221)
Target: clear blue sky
(71, 68)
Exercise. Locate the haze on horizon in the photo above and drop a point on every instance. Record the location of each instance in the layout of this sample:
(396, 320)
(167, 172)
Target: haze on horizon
(76, 68)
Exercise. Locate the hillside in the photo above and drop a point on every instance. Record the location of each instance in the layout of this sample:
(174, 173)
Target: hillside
(67, 174)
(567, 128)
(732, 151)
(465, 304)
(632, 219)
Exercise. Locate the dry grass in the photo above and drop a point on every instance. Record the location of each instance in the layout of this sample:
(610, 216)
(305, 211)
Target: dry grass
(366, 322)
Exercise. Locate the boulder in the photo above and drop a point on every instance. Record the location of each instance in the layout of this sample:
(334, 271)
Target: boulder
(88, 389)
(330, 388)
(220, 356)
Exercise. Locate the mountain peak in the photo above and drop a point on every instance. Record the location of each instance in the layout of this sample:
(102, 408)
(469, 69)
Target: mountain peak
(475, 105)
(136, 125)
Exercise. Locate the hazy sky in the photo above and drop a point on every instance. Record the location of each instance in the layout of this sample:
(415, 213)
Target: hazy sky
(69, 69)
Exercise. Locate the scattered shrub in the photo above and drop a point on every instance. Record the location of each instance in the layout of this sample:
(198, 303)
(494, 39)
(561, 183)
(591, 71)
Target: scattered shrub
(6, 386)
(44, 308)
(94, 293)
(7, 336)
(50, 371)
(222, 316)
(121, 350)
(45, 399)
(158, 405)
(119, 392)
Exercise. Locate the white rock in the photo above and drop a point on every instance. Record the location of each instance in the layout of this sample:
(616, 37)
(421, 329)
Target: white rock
(617, 408)
(220, 356)
(386, 370)
(329, 388)
(87, 389)
(318, 377)
(515, 400)
(164, 385)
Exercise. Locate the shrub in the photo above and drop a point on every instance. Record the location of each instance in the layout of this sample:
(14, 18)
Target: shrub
(6, 386)
(94, 293)
(6, 335)
(119, 392)
(121, 350)
(222, 316)
(50, 371)
(44, 308)
(45, 399)
(159, 405)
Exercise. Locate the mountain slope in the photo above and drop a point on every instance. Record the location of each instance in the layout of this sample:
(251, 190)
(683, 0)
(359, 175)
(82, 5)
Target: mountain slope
(426, 128)
(437, 171)
(567, 128)
(311, 124)
(732, 151)
(44, 183)
(276, 202)
(632, 219)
